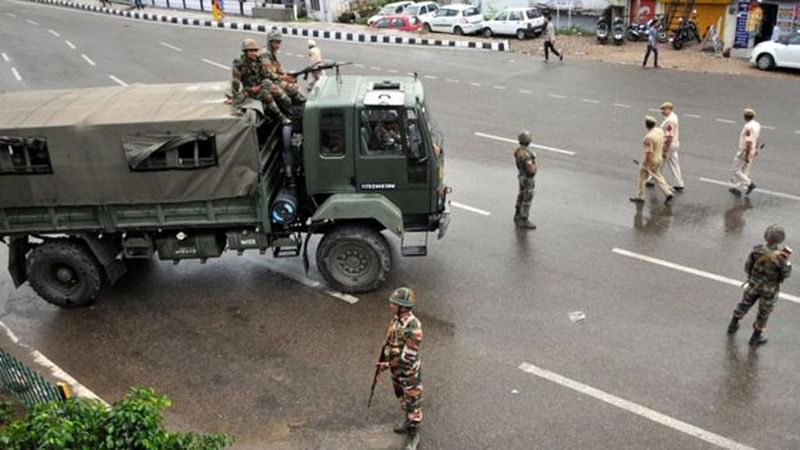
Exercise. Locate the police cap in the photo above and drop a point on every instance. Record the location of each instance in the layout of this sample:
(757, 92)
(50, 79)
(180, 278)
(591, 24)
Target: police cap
(749, 113)
(667, 105)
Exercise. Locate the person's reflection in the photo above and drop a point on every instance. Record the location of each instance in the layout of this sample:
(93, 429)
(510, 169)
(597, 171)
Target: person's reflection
(657, 222)
(734, 216)
(740, 385)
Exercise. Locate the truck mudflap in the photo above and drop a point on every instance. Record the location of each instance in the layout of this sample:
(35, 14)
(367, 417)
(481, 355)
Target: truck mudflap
(444, 222)
(17, 250)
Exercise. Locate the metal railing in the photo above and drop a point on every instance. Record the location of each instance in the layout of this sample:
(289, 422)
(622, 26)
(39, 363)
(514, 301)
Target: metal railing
(27, 385)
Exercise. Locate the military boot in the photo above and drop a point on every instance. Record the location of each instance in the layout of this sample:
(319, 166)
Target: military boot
(516, 214)
(524, 223)
(733, 326)
(401, 427)
(758, 338)
(413, 439)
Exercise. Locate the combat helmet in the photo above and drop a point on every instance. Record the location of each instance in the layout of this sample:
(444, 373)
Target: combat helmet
(774, 234)
(274, 35)
(404, 297)
(525, 138)
(249, 44)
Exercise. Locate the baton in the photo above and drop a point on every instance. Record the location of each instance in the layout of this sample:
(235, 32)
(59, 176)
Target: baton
(645, 168)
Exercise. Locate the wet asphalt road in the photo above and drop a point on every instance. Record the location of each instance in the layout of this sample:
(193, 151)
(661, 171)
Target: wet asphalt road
(242, 349)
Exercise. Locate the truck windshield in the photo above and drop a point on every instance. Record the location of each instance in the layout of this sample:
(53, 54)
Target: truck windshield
(433, 129)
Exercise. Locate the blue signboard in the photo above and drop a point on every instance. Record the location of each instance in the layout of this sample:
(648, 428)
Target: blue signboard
(742, 36)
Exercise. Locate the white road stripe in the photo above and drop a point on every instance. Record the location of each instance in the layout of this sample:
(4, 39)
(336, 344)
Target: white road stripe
(767, 127)
(117, 80)
(694, 116)
(172, 47)
(470, 208)
(499, 87)
(360, 66)
(635, 408)
(215, 64)
(758, 189)
(11, 14)
(654, 110)
(560, 97)
(16, 74)
(724, 120)
(589, 100)
(70, 45)
(525, 91)
(305, 281)
(796, 131)
(5, 57)
(87, 59)
(514, 141)
(697, 272)
(375, 68)
(475, 84)
(431, 77)
(53, 32)
(34, 23)
(55, 371)
(450, 80)
(299, 56)
(288, 53)
(621, 105)
(392, 70)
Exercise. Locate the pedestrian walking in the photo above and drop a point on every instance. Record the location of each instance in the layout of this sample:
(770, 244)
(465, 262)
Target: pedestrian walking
(400, 355)
(550, 40)
(652, 32)
(766, 267)
(671, 146)
(139, 4)
(525, 160)
(105, 3)
(651, 165)
(748, 149)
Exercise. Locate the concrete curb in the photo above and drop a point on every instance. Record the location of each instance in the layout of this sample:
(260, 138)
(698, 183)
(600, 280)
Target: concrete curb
(346, 36)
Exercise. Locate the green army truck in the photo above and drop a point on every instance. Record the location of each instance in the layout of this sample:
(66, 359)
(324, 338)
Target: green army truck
(93, 178)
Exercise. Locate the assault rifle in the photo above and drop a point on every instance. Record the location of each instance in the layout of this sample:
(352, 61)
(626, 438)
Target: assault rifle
(319, 66)
(381, 359)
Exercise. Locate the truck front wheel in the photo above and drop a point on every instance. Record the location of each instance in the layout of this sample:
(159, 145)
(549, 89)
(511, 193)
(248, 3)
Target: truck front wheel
(354, 258)
(64, 273)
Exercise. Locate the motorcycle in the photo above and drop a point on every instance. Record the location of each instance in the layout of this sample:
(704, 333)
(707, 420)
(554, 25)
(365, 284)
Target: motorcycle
(636, 31)
(619, 30)
(661, 35)
(687, 32)
(602, 30)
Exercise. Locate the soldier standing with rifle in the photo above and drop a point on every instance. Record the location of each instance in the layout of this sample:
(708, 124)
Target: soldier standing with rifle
(525, 160)
(400, 354)
(766, 267)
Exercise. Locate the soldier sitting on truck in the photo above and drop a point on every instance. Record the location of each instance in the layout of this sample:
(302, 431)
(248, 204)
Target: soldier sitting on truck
(250, 80)
(286, 82)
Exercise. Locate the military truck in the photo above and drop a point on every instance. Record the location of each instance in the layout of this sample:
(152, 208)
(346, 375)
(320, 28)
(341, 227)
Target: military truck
(93, 178)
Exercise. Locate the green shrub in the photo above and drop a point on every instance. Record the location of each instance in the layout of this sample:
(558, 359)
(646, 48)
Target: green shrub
(133, 423)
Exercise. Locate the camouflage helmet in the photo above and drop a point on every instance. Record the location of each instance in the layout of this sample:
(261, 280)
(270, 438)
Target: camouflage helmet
(274, 35)
(525, 137)
(249, 44)
(403, 297)
(774, 234)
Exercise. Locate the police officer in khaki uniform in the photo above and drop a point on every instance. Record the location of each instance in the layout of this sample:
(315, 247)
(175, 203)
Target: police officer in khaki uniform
(672, 144)
(525, 159)
(748, 149)
(653, 158)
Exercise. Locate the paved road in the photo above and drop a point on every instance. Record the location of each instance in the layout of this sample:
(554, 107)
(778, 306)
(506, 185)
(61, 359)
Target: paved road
(243, 349)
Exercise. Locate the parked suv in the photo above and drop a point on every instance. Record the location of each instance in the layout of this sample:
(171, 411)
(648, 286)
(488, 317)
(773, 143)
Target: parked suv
(389, 10)
(456, 18)
(521, 22)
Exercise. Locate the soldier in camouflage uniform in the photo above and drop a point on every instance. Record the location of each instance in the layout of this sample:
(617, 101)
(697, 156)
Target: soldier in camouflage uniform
(766, 267)
(250, 80)
(401, 357)
(526, 170)
(275, 71)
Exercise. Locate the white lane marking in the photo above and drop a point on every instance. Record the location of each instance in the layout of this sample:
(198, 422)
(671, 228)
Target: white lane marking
(171, 47)
(635, 408)
(53, 32)
(694, 116)
(724, 120)
(589, 100)
(117, 80)
(514, 141)
(79, 389)
(475, 84)
(697, 272)
(32, 22)
(560, 97)
(758, 189)
(470, 208)
(450, 80)
(525, 91)
(767, 127)
(70, 45)
(215, 64)
(653, 110)
(498, 87)
(796, 131)
(16, 74)
(5, 57)
(392, 70)
(621, 105)
(305, 281)
(11, 14)
(299, 56)
(87, 59)
(374, 68)
(289, 54)
(431, 77)
(360, 66)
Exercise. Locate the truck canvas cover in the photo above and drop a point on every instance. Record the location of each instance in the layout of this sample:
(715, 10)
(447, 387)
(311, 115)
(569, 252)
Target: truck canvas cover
(124, 145)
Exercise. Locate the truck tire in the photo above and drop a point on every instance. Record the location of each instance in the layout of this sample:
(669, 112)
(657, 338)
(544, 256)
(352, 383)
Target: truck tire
(65, 273)
(354, 258)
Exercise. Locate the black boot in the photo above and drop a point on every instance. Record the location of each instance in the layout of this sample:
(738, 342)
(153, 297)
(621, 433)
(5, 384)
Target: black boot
(401, 427)
(758, 338)
(733, 326)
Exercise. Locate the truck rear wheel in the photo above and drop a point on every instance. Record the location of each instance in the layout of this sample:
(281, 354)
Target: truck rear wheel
(354, 258)
(64, 273)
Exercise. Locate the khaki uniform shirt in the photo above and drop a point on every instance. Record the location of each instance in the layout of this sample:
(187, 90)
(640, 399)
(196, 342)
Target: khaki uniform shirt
(656, 137)
(670, 127)
(750, 133)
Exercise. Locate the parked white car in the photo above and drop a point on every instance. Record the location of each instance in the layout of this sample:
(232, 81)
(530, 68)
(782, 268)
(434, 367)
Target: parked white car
(784, 53)
(389, 10)
(455, 18)
(422, 10)
(519, 22)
